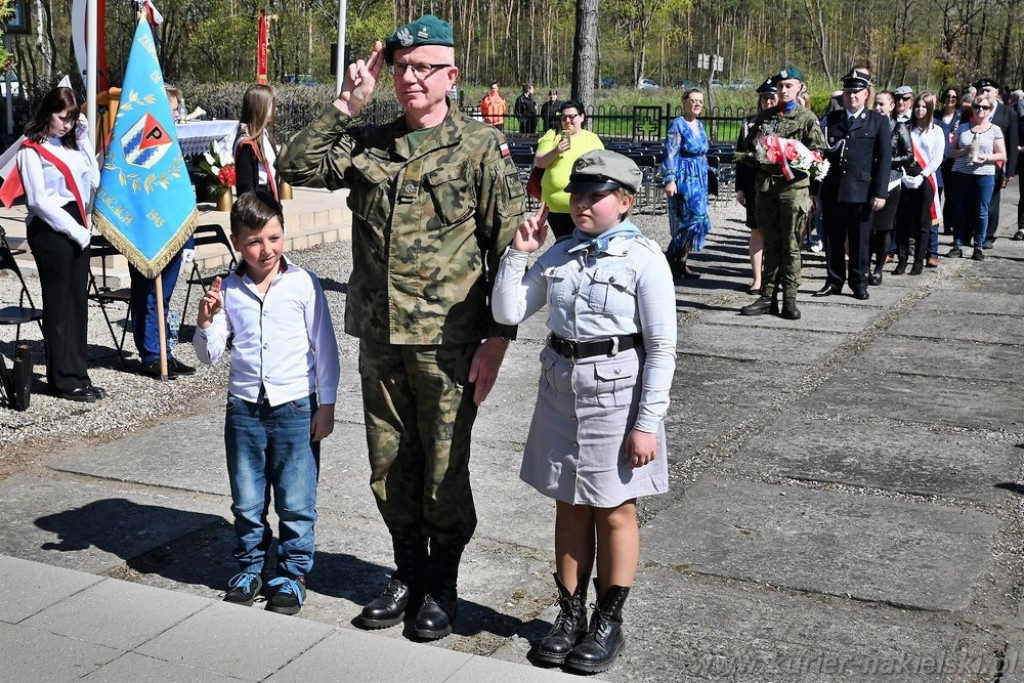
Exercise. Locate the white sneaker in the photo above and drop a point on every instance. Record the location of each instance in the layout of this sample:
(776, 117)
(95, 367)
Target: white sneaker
(817, 247)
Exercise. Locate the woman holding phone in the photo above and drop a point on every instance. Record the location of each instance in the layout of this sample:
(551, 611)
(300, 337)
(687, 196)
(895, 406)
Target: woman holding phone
(557, 151)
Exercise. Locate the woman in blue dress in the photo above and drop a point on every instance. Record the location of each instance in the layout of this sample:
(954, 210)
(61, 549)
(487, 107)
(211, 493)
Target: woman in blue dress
(685, 171)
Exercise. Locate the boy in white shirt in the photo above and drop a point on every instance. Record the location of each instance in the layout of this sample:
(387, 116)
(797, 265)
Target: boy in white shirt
(281, 393)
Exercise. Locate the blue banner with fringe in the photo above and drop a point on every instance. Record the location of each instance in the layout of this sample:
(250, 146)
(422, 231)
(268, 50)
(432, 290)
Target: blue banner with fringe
(145, 205)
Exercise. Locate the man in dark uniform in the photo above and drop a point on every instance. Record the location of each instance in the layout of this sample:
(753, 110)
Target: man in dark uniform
(859, 150)
(435, 198)
(1006, 118)
(551, 111)
(782, 204)
(526, 110)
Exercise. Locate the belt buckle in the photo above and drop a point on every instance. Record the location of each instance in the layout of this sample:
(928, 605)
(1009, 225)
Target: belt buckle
(565, 347)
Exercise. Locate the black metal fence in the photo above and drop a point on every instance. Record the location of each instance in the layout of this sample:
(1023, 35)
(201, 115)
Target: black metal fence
(635, 123)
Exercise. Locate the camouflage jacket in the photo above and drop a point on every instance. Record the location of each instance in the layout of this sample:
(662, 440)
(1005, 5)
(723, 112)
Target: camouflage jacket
(427, 227)
(798, 124)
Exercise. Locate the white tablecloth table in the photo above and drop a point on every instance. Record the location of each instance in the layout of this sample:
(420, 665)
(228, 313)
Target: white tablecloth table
(195, 136)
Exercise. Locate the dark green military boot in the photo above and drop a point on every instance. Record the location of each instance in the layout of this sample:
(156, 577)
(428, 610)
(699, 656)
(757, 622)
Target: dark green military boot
(570, 624)
(604, 641)
(761, 306)
(388, 608)
(789, 309)
(440, 600)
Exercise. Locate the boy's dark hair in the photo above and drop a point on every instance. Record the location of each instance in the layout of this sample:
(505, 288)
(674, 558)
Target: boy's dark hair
(253, 209)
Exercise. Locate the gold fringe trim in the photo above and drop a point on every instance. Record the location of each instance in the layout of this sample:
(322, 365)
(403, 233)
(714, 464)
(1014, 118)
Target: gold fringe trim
(148, 267)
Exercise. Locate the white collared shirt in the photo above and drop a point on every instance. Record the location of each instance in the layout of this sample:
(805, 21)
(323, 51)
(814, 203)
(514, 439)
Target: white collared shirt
(282, 340)
(46, 190)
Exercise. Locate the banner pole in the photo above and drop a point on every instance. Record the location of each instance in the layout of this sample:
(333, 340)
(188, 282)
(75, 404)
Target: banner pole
(160, 325)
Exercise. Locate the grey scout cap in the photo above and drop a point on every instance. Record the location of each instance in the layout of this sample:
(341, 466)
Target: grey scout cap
(601, 170)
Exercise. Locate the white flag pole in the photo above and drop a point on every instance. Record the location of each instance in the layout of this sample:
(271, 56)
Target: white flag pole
(92, 30)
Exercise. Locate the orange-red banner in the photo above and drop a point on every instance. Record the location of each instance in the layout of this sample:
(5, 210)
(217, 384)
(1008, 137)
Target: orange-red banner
(261, 50)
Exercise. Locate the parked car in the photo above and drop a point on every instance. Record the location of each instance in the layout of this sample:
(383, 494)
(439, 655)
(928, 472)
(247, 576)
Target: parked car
(684, 84)
(745, 84)
(715, 83)
(606, 82)
(647, 84)
(15, 85)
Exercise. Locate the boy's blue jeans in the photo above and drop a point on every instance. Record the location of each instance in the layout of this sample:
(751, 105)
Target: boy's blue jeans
(269, 450)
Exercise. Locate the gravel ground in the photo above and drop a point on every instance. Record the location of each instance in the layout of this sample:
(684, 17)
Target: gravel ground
(133, 399)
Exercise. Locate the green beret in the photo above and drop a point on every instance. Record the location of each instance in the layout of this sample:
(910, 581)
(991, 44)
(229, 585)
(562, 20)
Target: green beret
(427, 30)
(789, 72)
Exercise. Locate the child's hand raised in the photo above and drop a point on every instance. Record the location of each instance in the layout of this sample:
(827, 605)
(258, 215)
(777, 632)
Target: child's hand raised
(211, 304)
(532, 232)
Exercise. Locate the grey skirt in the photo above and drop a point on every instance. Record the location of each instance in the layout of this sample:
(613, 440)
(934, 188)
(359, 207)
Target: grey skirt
(584, 411)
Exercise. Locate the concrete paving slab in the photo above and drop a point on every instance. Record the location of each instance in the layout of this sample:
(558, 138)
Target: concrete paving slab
(956, 302)
(815, 316)
(236, 641)
(942, 358)
(31, 655)
(877, 456)
(756, 343)
(971, 283)
(681, 626)
(913, 554)
(947, 402)
(30, 587)
(139, 669)
(998, 329)
(1000, 265)
(95, 526)
(361, 658)
(116, 614)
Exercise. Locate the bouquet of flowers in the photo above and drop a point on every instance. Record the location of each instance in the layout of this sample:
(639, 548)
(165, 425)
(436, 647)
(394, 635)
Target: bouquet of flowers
(791, 155)
(219, 167)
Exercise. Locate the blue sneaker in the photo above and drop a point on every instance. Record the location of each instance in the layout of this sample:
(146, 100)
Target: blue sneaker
(286, 594)
(243, 588)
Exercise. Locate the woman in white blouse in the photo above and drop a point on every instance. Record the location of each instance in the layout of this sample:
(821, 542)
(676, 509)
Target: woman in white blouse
(920, 191)
(59, 172)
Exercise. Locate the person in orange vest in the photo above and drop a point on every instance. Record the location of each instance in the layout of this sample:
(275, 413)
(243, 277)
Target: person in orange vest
(493, 108)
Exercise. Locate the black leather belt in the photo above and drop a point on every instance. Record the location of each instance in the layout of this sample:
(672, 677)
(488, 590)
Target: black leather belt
(575, 350)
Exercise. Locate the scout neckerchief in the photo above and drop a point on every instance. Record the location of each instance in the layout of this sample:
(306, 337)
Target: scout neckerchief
(601, 242)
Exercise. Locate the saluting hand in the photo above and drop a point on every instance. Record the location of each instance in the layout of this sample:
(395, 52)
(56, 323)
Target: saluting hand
(211, 304)
(532, 232)
(360, 81)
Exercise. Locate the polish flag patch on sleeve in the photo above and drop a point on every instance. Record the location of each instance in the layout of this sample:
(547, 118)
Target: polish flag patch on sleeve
(503, 148)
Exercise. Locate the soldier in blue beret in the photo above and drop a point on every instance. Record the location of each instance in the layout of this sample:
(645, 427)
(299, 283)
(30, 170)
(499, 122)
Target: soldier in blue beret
(435, 198)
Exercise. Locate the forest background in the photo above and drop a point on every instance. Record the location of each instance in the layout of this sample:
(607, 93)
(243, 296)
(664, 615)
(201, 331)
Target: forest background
(922, 43)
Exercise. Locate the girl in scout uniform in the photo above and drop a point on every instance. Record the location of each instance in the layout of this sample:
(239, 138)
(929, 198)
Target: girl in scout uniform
(597, 441)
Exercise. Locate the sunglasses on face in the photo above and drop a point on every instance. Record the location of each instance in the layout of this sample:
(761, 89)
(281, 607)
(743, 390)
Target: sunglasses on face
(952, 97)
(981, 107)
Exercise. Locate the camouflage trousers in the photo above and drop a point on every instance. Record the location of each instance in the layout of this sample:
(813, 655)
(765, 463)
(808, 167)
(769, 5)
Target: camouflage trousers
(419, 413)
(781, 215)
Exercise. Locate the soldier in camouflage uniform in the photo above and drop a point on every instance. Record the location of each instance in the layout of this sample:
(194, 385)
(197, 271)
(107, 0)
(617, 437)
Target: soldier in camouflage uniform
(782, 206)
(435, 198)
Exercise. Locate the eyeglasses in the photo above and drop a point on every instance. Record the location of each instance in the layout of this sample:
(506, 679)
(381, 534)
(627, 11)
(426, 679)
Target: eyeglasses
(907, 97)
(569, 117)
(420, 71)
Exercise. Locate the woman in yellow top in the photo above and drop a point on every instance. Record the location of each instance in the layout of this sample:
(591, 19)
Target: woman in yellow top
(557, 151)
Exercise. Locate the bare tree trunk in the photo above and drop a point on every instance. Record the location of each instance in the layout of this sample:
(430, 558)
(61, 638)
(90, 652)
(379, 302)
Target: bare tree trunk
(584, 59)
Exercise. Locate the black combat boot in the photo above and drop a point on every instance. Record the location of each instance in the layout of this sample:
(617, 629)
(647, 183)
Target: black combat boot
(570, 625)
(900, 268)
(388, 608)
(604, 641)
(761, 306)
(440, 600)
(789, 309)
(917, 268)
